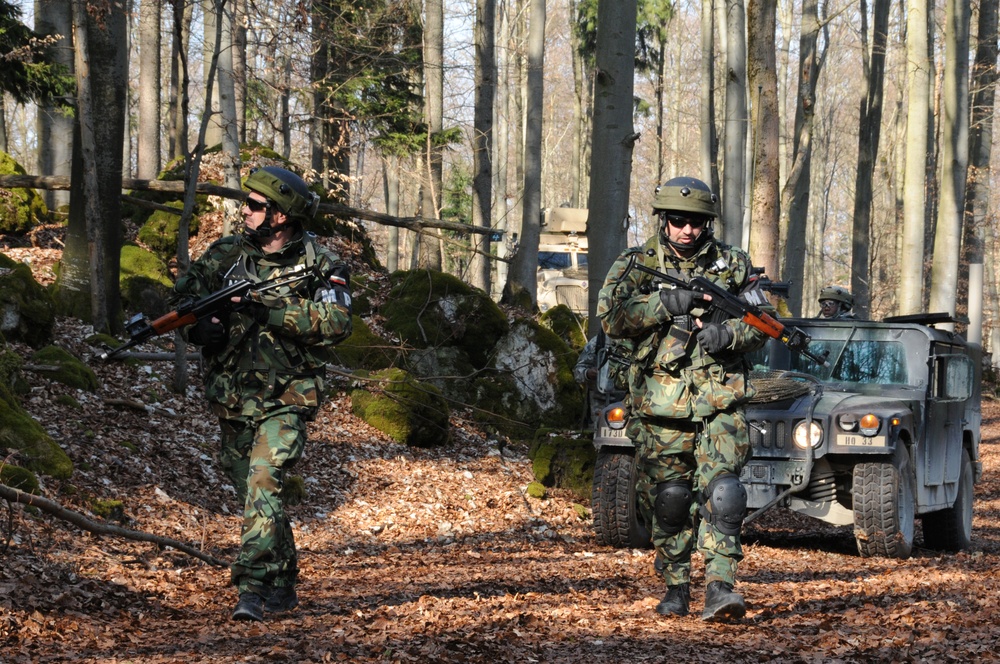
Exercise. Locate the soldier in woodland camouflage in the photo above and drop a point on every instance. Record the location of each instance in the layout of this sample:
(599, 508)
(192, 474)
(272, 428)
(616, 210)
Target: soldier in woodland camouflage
(687, 384)
(264, 368)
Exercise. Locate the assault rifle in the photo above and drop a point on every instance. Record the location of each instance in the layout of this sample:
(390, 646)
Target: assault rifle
(747, 310)
(141, 329)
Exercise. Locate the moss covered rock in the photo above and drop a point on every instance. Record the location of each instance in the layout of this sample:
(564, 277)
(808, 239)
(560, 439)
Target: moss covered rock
(364, 349)
(145, 281)
(430, 309)
(541, 365)
(159, 232)
(27, 311)
(406, 410)
(70, 370)
(566, 325)
(18, 478)
(36, 449)
(20, 209)
(563, 460)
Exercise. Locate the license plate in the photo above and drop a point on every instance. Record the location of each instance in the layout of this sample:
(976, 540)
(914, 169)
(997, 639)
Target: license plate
(608, 432)
(857, 440)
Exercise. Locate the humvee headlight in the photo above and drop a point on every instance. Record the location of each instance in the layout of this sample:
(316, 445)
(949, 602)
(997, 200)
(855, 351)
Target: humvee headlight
(807, 434)
(869, 425)
(615, 417)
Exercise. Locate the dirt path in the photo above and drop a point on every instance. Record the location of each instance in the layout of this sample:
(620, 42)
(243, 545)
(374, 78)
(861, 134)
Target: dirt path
(416, 555)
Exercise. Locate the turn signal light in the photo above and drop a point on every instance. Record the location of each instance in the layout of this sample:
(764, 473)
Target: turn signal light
(616, 415)
(869, 425)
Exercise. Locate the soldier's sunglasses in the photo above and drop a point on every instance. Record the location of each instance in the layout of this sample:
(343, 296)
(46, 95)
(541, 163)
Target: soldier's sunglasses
(254, 205)
(680, 221)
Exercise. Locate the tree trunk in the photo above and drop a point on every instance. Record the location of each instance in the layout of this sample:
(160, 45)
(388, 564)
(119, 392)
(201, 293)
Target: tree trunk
(795, 196)
(91, 260)
(209, 49)
(613, 140)
(390, 179)
(503, 123)
(55, 127)
(227, 114)
(762, 73)
(984, 77)
(918, 86)
(869, 126)
(430, 200)
(734, 178)
(522, 277)
(148, 152)
(482, 183)
(954, 158)
(709, 143)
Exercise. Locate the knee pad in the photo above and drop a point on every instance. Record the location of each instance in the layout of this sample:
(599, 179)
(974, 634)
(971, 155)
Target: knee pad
(673, 505)
(725, 503)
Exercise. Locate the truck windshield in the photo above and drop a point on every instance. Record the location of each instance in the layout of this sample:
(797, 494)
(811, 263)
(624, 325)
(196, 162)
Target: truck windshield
(859, 356)
(554, 260)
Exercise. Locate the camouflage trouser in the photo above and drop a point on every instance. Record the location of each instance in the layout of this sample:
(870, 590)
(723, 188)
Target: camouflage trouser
(696, 452)
(255, 457)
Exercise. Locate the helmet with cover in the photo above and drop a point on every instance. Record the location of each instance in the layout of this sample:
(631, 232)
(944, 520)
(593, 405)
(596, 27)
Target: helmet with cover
(685, 197)
(287, 191)
(837, 294)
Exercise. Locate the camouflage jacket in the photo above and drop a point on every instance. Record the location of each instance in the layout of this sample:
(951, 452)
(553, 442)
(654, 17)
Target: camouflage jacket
(670, 375)
(276, 365)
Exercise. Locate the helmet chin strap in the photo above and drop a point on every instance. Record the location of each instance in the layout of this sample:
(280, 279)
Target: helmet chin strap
(265, 230)
(707, 233)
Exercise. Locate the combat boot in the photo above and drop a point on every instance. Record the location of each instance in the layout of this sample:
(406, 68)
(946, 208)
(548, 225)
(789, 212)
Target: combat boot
(250, 607)
(282, 600)
(722, 603)
(675, 602)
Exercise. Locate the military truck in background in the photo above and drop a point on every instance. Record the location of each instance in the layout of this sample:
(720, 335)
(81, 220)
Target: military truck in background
(562, 260)
(886, 432)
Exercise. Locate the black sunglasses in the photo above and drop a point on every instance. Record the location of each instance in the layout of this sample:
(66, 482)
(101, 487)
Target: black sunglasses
(680, 221)
(255, 205)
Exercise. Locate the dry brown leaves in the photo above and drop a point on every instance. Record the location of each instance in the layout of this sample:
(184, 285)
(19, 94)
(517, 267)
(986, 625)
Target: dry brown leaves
(434, 555)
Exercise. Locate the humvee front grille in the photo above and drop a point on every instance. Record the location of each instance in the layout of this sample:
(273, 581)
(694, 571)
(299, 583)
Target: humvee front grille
(768, 435)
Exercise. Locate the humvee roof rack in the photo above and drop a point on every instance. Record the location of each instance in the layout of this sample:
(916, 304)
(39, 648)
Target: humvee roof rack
(928, 319)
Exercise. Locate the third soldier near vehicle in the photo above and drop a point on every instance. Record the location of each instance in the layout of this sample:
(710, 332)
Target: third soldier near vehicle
(687, 385)
(836, 302)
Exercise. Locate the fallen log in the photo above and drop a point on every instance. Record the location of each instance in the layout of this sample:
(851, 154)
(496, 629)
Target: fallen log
(55, 509)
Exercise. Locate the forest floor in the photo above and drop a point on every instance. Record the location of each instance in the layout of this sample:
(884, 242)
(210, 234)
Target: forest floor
(413, 555)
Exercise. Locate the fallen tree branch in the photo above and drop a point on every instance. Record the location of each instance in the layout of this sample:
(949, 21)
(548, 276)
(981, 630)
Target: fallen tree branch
(138, 405)
(62, 182)
(55, 509)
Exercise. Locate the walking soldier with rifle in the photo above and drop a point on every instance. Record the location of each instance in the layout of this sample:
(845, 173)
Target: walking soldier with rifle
(687, 384)
(264, 366)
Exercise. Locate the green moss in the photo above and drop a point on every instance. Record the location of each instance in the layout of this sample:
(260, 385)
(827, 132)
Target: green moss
(428, 309)
(566, 325)
(559, 459)
(293, 490)
(19, 478)
(21, 432)
(145, 281)
(68, 401)
(112, 510)
(535, 490)
(131, 447)
(29, 311)
(363, 349)
(406, 410)
(21, 209)
(582, 512)
(71, 372)
(159, 232)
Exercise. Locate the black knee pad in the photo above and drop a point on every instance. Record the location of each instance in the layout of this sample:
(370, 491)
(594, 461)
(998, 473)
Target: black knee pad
(725, 503)
(673, 505)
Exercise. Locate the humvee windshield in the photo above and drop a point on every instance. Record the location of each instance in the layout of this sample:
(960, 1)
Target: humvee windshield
(854, 355)
(560, 260)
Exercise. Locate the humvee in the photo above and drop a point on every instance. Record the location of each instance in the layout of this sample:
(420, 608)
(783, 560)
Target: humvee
(886, 432)
(562, 260)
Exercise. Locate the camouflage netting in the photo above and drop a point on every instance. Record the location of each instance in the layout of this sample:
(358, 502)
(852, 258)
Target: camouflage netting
(771, 386)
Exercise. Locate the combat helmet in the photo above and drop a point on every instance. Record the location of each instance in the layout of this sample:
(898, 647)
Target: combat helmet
(287, 191)
(837, 294)
(685, 195)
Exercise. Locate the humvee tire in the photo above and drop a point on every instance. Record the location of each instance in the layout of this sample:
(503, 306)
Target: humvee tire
(951, 529)
(617, 519)
(884, 507)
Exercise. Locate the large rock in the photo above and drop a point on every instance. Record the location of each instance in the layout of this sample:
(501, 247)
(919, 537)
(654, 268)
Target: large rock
(27, 312)
(407, 410)
(20, 209)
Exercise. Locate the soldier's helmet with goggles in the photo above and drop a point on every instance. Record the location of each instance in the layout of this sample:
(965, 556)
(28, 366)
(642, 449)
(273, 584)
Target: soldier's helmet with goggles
(837, 294)
(287, 191)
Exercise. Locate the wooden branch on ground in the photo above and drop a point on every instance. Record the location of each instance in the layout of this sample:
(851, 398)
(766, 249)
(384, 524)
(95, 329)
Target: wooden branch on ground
(138, 405)
(62, 182)
(55, 509)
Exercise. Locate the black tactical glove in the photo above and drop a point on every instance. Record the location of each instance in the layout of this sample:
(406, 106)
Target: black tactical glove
(715, 337)
(210, 336)
(678, 301)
